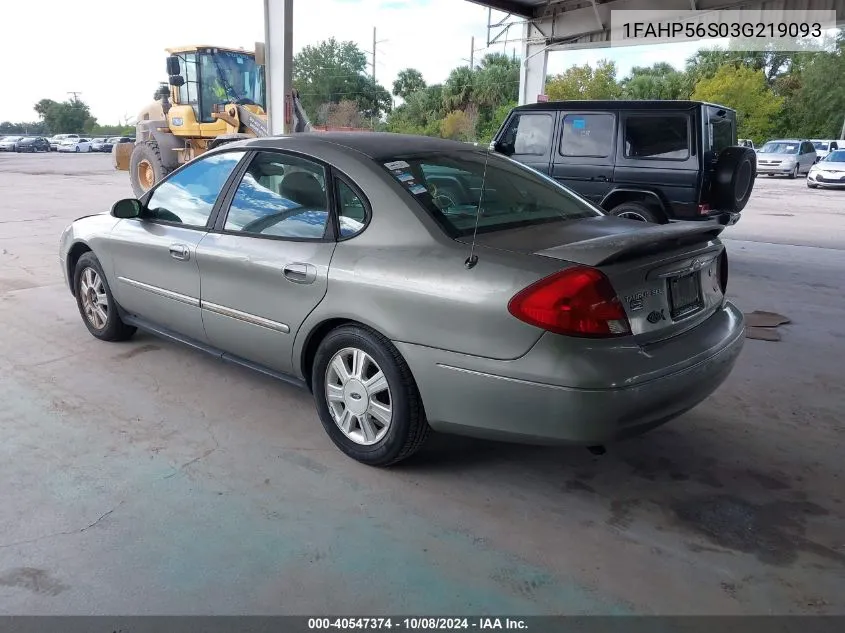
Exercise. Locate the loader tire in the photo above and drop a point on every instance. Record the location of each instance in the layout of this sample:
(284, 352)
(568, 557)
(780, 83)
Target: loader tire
(146, 168)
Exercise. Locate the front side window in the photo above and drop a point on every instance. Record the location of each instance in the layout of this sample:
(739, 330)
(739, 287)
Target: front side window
(529, 134)
(588, 135)
(280, 196)
(188, 93)
(453, 188)
(657, 137)
(188, 196)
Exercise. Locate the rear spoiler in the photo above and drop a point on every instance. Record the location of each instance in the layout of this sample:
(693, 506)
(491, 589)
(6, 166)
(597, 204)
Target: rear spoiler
(652, 238)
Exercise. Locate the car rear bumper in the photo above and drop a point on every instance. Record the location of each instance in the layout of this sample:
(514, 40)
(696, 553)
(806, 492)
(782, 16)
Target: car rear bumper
(603, 393)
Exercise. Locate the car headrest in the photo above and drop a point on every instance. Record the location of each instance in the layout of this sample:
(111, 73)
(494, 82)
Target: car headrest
(303, 188)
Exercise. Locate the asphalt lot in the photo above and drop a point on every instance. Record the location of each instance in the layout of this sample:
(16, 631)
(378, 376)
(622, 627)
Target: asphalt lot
(147, 478)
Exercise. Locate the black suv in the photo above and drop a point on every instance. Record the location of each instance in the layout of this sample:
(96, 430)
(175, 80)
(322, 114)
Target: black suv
(653, 161)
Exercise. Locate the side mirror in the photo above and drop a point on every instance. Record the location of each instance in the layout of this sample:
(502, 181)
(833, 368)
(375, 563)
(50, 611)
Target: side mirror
(176, 80)
(503, 148)
(173, 65)
(126, 208)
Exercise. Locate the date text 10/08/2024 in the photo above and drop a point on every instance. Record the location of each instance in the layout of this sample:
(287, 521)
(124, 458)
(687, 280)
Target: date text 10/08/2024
(419, 624)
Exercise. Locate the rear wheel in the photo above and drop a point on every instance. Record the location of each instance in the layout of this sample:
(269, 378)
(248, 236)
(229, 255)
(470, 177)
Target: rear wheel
(367, 398)
(636, 211)
(96, 303)
(146, 167)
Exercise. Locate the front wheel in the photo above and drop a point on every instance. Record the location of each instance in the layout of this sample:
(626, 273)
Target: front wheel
(77, 149)
(811, 185)
(96, 303)
(366, 397)
(146, 167)
(794, 173)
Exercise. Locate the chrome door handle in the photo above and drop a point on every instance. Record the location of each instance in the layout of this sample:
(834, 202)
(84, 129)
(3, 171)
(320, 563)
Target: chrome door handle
(300, 273)
(180, 252)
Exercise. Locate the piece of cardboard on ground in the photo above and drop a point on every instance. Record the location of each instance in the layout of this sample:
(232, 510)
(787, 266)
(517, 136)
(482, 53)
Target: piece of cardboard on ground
(762, 333)
(761, 318)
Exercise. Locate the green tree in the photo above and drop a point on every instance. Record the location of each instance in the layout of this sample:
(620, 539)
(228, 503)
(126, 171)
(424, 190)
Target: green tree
(746, 91)
(487, 129)
(459, 89)
(408, 82)
(456, 126)
(659, 81)
(496, 80)
(585, 82)
(334, 71)
(66, 117)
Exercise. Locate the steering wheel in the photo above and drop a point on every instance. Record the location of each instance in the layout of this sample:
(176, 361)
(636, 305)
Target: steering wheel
(437, 197)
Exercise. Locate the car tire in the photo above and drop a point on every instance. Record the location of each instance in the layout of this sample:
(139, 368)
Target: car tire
(96, 303)
(148, 156)
(366, 438)
(794, 173)
(77, 149)
(637, 211)
(811, 185)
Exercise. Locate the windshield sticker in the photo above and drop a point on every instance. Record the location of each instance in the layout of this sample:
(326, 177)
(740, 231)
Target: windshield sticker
(578, 124)
(397, 164)
(417, 189)
(403, 176)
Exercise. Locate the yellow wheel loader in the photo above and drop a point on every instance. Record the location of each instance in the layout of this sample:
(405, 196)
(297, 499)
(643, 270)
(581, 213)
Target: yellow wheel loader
(213, 95)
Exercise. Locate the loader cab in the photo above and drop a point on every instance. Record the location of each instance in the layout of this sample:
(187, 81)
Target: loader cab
(204, 77)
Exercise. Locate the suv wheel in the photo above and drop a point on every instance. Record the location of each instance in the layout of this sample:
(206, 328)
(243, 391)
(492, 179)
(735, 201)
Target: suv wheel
(636, 211)
(794, 174)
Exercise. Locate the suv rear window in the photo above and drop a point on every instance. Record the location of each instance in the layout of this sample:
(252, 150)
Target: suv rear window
(449, 186)
(658, 137)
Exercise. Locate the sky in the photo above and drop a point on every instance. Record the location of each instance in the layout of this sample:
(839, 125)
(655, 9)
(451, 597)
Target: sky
(112, 51)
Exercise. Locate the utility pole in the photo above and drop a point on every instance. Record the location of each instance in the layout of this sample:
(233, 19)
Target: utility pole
(472, 53)
(376, 42)
(74, 93)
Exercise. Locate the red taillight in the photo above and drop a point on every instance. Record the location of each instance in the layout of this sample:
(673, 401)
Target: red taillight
(723, 271)
(703, 209)
(579, 302)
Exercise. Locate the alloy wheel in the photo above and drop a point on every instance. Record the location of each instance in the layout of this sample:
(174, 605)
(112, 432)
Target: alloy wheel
(95, 302)
(358, 396)
(632, 215)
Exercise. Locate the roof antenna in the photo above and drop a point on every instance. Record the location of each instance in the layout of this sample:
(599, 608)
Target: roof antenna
(472, 260)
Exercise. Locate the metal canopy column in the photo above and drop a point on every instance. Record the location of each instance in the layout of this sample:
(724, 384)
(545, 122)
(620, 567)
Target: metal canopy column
(278, 51)
(532, 73)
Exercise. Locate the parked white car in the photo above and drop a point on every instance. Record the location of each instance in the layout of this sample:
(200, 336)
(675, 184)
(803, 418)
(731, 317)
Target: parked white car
(825, 147)
(56, 140)
(75, 145)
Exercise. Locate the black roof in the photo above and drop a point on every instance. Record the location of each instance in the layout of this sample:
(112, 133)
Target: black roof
(619, 104)
(376, 145)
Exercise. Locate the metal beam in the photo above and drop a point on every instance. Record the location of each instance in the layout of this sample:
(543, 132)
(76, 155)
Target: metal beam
(508, 6)
(278, 50)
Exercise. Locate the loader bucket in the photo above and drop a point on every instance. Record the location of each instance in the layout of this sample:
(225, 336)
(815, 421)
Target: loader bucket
(120, 155)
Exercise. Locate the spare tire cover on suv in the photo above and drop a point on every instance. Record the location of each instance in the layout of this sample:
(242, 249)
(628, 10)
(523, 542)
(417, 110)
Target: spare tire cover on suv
(733, 179)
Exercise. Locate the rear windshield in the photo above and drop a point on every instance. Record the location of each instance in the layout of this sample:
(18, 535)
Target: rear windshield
(780, 147)
(449, 186)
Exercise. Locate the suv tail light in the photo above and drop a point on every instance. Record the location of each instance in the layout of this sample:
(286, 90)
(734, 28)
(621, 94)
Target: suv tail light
(723, 270)
(578, 301)
(703, 209)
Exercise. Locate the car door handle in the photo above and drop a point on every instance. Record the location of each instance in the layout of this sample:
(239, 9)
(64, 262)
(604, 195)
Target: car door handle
(599, 178)
(300, 273)
(180, 252)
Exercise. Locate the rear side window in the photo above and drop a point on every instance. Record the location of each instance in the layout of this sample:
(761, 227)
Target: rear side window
(280, 196)
(657, 137)
(588, 135)
(529, 134)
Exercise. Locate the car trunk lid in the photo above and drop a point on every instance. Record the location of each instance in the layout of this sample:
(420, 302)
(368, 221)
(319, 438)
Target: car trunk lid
(668, 277)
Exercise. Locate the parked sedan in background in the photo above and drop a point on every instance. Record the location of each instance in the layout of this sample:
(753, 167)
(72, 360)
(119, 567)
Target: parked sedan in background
(33, 144)
(56, 140)
(97, 144)
(9, 143)
(415, 283)
(786, 158)
(829, 171)
(75, 145)
(110, 143)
